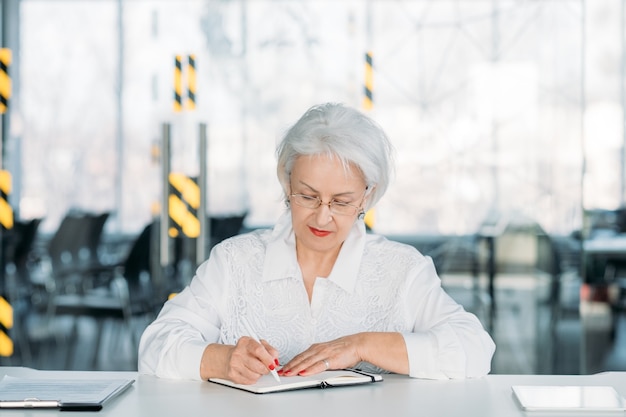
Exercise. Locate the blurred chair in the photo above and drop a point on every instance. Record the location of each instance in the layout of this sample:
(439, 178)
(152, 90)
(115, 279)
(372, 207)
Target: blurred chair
(223, 227)
(128, 295)
(72, 251)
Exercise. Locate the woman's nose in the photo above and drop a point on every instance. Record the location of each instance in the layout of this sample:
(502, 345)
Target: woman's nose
(324, 215)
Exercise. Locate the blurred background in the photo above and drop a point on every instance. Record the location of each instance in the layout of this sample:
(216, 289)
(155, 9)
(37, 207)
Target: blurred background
(136, 134)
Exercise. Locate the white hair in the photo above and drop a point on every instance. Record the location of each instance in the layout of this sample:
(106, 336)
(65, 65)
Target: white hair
(337, 130)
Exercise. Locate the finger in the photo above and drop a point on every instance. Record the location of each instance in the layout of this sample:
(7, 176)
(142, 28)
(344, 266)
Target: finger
(316, 368)
(245, 366)
(271, 350)
(305, 361)
(266, 362)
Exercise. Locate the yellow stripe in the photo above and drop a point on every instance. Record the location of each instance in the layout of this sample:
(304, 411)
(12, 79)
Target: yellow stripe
(6, 313)
(187, 221)
(5, 181)
(6, 214)
(5, 56)
(177, 209)
(187, 187)
(5, 85)
(6, 345)
(370, 216)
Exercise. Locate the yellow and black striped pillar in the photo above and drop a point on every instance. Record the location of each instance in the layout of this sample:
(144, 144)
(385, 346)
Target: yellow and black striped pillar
(368, 96)
(6, 211)
(184, 202)
(6, 223)
(178, 84)
(191, 82)
(5, 80)
(6, 322)
(190, 103)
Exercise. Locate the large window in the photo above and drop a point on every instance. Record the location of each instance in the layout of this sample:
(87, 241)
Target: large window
(487, 102)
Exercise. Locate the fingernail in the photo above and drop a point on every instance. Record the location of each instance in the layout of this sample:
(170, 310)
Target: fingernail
(302, 373)
(272, 367)
(276, 362)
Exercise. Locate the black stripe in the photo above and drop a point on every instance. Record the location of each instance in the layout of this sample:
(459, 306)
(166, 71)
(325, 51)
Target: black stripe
(173, 223)
(368, 59)
(368, 94)
(176, 192)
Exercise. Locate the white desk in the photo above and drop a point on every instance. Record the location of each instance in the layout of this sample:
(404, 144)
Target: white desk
(395, 396)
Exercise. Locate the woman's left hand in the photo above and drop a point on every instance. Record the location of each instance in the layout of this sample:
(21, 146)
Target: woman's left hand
(336, 354)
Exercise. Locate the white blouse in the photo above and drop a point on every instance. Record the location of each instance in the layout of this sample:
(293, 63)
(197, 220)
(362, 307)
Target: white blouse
(375, 285)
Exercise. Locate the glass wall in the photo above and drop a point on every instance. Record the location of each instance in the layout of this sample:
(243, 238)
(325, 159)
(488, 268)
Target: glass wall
(488, 103)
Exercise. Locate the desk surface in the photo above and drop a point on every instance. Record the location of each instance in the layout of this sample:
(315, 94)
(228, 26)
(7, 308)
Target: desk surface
(396, 395)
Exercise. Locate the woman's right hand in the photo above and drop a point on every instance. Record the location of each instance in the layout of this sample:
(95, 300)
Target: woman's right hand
(243, 363)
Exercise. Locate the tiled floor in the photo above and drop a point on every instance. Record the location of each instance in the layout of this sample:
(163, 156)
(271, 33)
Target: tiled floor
(528, 339)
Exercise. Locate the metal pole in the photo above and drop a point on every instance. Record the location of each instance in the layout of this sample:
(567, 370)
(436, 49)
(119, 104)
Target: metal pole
(165, 174)
(203, 213)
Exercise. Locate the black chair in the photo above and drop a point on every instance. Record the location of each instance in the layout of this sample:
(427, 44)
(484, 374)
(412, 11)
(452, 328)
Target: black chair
(128, 295)
(223, 227)
(72, 251)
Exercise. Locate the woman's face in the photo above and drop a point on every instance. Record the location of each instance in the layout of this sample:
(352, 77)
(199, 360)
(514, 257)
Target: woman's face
(319, 229)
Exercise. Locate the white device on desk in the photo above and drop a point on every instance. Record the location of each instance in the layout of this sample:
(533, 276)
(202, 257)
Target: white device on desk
(568, 398)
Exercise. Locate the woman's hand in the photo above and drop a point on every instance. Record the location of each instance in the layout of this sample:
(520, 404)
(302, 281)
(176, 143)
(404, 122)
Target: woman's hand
(243, 363)
(336, 354)
(384, 350)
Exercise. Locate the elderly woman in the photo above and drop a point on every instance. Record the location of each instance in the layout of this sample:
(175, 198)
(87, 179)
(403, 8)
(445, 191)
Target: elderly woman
(319, 291)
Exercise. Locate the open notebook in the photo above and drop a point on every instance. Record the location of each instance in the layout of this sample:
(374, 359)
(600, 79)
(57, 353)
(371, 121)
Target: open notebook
(64, 394)
(325, 379)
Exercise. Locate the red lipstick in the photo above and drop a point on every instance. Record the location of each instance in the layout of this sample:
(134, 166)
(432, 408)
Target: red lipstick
(318, 232)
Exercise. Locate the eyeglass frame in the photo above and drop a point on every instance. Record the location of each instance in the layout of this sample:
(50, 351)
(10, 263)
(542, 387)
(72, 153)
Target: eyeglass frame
(331, 202)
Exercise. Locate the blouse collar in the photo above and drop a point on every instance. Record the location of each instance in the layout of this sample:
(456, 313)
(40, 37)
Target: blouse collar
(281, 261)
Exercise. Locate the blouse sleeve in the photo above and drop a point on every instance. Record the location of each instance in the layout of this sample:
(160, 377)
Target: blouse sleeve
(446, 341)
(172, 345)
